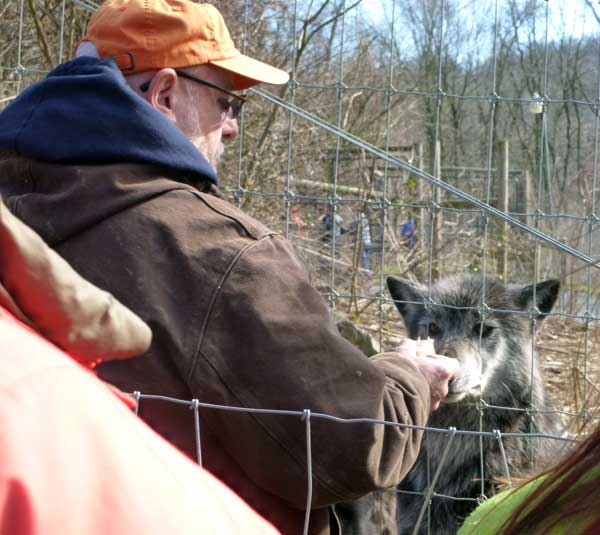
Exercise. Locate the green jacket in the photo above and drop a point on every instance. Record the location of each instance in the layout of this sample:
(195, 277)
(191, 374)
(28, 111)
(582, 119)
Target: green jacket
(491, 515)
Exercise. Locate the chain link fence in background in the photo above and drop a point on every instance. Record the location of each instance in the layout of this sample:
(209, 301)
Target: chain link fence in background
(417, 138)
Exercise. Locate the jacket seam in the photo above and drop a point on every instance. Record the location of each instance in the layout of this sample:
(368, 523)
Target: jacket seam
(255, 235)
(273, 436)
(198, 352)
(211, 307)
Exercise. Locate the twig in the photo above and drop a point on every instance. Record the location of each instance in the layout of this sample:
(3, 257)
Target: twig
(43, 39)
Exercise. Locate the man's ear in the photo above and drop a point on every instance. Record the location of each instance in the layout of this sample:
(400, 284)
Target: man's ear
(546, 294)
(161, 92)
(404, 295)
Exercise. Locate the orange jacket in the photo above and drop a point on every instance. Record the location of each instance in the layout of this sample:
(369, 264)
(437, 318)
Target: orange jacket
(74, 459)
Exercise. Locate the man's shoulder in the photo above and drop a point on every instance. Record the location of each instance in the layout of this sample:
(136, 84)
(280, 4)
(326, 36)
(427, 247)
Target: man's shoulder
(221, 208)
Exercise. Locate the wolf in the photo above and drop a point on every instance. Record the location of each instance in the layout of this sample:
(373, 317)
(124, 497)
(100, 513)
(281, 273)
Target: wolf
(498, 388)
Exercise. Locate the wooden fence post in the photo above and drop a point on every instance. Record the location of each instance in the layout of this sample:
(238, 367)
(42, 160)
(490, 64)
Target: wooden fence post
(437, 214)
(502, 181)
(421, 189)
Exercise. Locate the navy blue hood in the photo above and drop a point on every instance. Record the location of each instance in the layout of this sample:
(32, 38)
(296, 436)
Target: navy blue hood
(84, 112)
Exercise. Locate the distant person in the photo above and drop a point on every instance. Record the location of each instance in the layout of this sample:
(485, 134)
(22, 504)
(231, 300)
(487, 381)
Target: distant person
(331, 225)
(361, 227)
(297, 218)
(408, 236)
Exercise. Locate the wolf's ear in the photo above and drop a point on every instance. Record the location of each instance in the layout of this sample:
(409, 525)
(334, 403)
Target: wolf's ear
(545, 295)
(402, 292)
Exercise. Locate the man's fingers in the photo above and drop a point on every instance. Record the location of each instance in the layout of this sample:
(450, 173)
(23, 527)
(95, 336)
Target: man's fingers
(438, 371)
(447, 367)
(407, 344)
(425, 347)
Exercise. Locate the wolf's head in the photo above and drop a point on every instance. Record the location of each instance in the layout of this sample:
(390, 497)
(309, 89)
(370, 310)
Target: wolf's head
(485, 325)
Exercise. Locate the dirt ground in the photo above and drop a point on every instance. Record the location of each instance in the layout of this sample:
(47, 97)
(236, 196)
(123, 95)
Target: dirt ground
(570, 363)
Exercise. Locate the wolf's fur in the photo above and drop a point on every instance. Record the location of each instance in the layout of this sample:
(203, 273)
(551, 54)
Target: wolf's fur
(498, 365)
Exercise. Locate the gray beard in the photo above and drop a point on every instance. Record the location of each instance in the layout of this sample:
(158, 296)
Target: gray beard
(213, 157)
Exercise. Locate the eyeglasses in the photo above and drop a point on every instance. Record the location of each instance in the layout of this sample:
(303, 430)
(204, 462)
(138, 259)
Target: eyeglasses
(231, 106)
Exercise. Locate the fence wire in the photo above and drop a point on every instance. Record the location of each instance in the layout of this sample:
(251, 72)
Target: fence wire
(306, 415)
(462, 142)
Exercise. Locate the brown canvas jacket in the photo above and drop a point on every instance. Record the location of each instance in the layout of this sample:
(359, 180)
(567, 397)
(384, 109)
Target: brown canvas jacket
(40, 289)
(235, 322)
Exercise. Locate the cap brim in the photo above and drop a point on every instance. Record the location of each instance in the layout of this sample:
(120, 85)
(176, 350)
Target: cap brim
(250, 72)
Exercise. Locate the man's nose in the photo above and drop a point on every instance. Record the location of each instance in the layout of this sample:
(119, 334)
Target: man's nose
(230, 129)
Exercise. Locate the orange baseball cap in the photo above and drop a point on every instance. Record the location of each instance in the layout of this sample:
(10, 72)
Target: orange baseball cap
(144, 35)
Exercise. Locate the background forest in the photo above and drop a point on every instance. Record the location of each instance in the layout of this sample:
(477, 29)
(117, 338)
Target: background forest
(498, 98)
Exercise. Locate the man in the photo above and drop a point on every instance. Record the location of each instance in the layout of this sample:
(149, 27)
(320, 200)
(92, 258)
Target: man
(332, 226)
(114, 174)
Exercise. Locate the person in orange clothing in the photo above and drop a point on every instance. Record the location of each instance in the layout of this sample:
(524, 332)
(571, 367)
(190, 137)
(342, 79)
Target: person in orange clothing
(297, 218)
(74, 458)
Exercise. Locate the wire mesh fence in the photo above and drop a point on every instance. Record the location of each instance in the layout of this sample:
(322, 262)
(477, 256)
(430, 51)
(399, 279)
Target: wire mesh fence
(417, 139)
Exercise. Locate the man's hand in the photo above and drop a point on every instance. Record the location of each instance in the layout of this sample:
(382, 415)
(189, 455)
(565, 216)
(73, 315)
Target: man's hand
(437, 369)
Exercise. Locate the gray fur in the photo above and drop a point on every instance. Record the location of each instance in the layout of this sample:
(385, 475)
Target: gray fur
(500, 368)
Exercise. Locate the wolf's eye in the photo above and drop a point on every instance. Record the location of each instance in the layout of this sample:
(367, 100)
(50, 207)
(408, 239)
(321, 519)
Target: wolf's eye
(485, 331)
(433, 330)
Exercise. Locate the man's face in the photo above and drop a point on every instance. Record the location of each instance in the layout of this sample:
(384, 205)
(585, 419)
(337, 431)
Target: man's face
(201, 112)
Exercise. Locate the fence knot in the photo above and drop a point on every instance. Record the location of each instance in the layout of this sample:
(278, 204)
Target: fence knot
(332, 297)
(531, 411)
(238, 193)
(305, 415)
(588, 317)
(383, 204)
(288, 196)
(493, 98)
(439, 94)
(433, 208)
(390, 91)
(483, 310)
(481, 405)
(334, 200)
(382, 299)
(593, 218)
(428, 303)
(538, 215)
